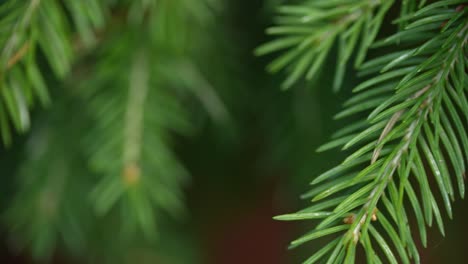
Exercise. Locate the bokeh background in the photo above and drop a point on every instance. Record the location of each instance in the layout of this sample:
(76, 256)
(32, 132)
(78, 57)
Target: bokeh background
(249, 169)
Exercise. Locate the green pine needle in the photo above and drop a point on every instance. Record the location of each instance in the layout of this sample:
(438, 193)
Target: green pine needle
(415, 100)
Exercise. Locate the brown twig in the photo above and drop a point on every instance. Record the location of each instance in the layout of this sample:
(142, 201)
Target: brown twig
(18, 55)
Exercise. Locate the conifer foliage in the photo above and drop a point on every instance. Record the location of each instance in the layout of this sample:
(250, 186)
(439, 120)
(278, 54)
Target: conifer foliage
(104, 87)
(414, 103)
(29, 26)
(104, 152)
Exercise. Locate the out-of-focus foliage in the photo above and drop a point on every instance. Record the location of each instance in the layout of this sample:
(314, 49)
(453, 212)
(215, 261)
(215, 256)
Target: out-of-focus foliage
(102, 155)
(28, 29)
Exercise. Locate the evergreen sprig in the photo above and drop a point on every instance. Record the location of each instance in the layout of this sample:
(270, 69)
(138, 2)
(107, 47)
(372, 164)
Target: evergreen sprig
(137, 106)
(48, 210)
(29, 28)
(134, 113)
(308, 32)
(124, 102)
(416, 112)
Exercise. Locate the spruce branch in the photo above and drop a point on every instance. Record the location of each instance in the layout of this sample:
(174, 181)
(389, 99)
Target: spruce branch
(415, 102)
(48, 210)
(134, 116)
(33, 27)
(309, 31)
(130, 107)
(137, 105)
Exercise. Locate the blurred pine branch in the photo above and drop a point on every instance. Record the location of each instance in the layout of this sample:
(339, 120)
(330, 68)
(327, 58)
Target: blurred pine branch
(127, 80)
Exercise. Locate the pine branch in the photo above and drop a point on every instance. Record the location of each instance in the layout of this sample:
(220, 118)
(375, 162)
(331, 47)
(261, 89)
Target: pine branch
(137, 106)
(48, 209)
(309, 31)
(132, 105)
(129, 147)
(417, 108)
(31, 27)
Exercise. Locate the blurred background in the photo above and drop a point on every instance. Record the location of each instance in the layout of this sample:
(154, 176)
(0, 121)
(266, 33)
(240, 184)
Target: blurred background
(244, 169)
